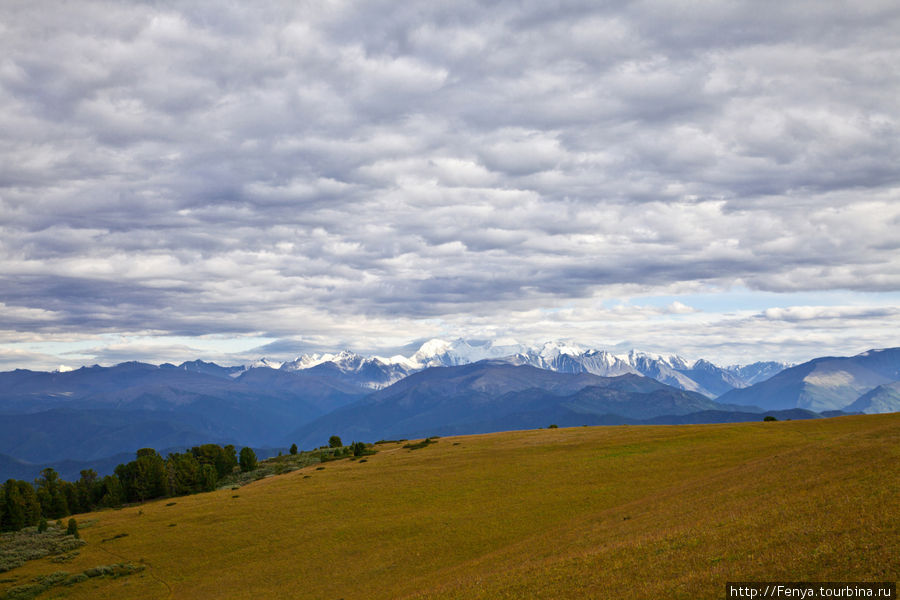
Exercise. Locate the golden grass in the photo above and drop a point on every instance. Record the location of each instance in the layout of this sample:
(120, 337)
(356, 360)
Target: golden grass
(593, 512)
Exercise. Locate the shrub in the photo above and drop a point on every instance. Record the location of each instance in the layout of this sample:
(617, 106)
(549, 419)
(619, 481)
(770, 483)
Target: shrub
(42, 525)
(769, 418)
(335, 442)
(553, 426)
(359, 448)
(72, 529)
(294, 449)
(18, 547)
(419, 445)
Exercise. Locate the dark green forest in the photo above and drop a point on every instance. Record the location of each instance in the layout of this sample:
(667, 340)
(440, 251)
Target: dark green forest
(149, 476)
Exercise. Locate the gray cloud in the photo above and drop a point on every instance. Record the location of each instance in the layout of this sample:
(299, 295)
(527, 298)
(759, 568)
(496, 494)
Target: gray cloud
(182, 169)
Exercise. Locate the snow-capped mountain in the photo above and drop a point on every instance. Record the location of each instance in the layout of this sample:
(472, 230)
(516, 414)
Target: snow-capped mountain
(265, 363)
(758, 371)
(373, 373)
(700, 376)
(378, 372)
(348, 361)
(440, 353)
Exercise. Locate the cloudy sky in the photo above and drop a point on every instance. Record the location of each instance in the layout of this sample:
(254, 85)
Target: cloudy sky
(226, 180)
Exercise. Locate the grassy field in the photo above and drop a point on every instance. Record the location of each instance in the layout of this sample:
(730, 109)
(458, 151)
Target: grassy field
(592, 512)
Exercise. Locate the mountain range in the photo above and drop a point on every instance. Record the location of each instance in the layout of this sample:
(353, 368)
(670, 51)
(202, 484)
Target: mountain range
(493, 395)
(90, 414)
(377, 372)
(830, 383)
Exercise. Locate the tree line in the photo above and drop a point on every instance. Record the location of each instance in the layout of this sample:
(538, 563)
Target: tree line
(149, 476)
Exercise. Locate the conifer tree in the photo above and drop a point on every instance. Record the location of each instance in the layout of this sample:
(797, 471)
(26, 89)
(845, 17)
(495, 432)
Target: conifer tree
(248, 459)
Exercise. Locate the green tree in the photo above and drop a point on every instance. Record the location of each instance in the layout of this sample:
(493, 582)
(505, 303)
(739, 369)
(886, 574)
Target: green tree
(183, 474)
(42, 525)
(88, 491)
(72, 529)
(335, 442)
(231, 457)
(14, 507)
(111, 493)
(359, 448)
(50, 494)
(143, 478)
(21, 507)
(71, 495)
(215, 455)
(247, 459)
(293, 448)
(30, 502)
(208, 478)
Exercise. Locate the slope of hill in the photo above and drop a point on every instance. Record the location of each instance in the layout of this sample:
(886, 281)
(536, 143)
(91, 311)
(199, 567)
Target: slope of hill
(494, 395)
(822, 384)
(606, 512)
(885, 398)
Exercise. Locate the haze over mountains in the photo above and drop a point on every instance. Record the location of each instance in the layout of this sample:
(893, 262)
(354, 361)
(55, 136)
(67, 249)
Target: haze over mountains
(88, 415)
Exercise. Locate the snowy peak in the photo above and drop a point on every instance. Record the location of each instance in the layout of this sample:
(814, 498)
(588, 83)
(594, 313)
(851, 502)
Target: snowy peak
(265, 363)
(440, 353)
(306, 361)
(372, 373)
(561, 356)
(432, 348)
(345, 360)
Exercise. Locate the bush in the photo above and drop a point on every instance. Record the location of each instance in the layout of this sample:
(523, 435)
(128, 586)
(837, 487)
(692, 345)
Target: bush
(335, 442)
(293, 449)
(420, 445)
(42, 525)
(769, 418)
(17, 548)
(72, 529)
(359, 448)
(553, 426)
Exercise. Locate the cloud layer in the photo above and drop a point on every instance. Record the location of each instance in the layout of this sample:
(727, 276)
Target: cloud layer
(372, 173)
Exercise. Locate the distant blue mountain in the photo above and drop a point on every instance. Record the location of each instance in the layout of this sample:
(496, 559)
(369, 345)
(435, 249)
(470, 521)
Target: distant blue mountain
(494, 395)
(95, 412)
(87, 415)
(828, 383)
(882, 399)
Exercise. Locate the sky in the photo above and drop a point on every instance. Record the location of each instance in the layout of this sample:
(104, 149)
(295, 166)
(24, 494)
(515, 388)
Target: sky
(230, 180)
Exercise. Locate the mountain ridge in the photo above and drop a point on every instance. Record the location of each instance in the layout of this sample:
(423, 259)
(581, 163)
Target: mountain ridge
(483, 396)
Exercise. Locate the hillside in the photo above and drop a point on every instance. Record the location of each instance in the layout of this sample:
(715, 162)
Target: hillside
(828, 383)
(587, 512)
(884, 398)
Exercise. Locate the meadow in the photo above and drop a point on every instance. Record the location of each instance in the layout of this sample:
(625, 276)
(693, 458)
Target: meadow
(587, 512)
